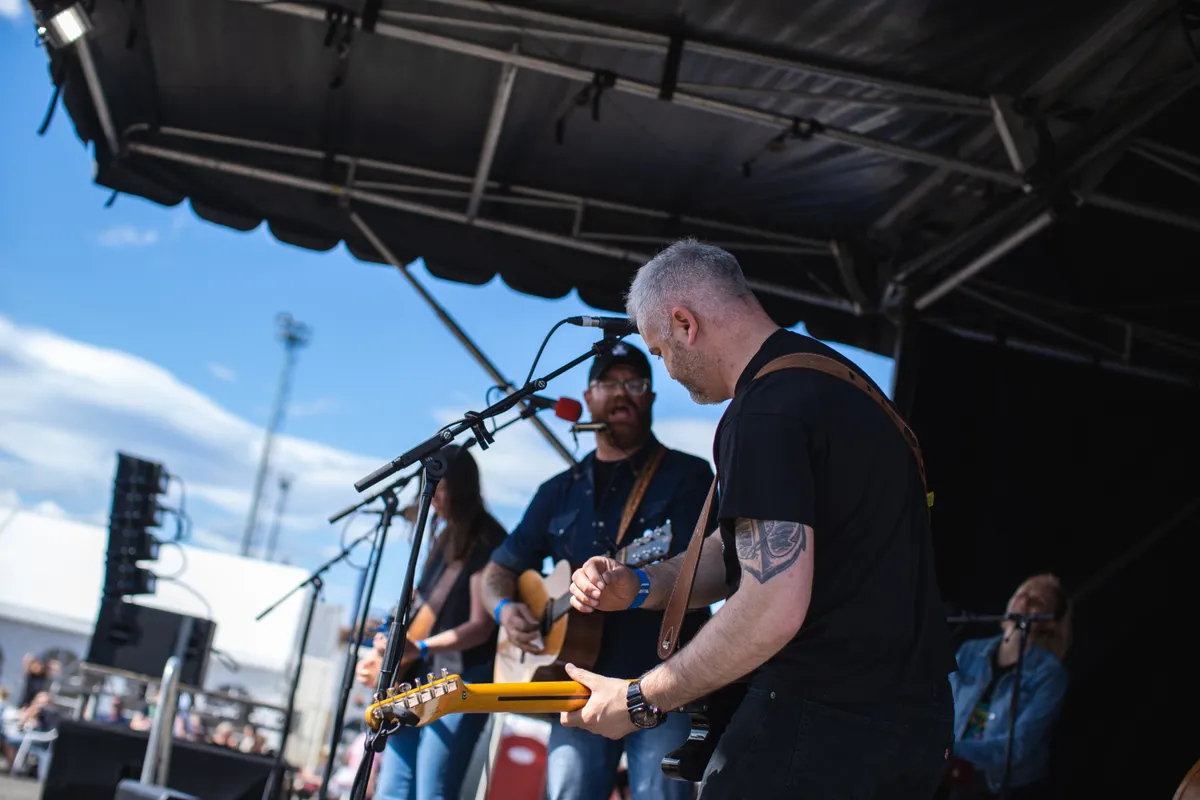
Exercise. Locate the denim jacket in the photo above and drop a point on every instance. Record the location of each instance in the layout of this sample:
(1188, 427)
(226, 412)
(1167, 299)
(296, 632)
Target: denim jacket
(1043, 687)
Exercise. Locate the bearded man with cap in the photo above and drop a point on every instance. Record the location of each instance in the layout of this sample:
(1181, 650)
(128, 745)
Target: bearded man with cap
(577, 514)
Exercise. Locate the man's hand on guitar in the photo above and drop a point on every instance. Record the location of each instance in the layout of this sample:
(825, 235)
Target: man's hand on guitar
(602, 584)
(521, 626)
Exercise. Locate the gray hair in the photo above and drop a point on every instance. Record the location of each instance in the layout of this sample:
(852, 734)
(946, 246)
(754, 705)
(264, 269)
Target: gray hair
(688, 273)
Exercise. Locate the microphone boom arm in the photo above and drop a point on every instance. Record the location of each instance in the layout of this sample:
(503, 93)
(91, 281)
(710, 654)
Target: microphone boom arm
(474, 420)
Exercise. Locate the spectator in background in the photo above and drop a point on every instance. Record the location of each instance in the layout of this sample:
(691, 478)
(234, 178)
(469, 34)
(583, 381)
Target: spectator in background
(983, 688)
(37, 679)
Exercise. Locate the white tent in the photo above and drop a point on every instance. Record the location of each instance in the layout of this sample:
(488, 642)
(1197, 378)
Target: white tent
(52, 574)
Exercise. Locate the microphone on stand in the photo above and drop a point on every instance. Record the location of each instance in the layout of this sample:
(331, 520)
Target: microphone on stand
(565, 408)
(614, 326)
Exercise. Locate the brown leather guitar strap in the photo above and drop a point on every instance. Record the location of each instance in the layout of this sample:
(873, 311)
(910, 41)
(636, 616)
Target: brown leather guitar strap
(839, 370)
(668, 635)
(639, 491)
(681, 594)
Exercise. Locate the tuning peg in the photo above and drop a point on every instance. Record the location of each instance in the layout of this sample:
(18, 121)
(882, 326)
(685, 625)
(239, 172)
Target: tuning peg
(406, 688)
(429, 677)
(445, 673)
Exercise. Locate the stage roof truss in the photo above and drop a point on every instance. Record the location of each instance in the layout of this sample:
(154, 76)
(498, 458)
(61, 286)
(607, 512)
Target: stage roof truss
(1032, 199)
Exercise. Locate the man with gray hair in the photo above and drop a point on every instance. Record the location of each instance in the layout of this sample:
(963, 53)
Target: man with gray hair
(845, 658)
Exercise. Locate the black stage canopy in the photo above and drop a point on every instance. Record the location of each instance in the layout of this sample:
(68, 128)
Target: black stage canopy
(865, 160)
(987, 190)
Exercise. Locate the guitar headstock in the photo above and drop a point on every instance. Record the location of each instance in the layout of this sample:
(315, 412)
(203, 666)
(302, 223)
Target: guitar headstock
(651, 546)
(429, 701)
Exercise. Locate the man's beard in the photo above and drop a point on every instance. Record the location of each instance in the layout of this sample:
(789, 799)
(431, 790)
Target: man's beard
(687, 366)
(631, 429)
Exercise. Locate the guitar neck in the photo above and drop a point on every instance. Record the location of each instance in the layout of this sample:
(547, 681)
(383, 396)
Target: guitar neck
(449, 695)
(543, 697)
(557, 610)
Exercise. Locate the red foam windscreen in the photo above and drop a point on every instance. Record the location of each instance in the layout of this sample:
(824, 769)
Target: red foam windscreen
(568, 408)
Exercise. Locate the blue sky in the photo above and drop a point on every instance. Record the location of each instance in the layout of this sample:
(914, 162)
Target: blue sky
(143, 328)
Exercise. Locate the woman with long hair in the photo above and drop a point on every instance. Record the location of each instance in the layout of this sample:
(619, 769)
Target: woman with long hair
(427, 763)
(983, 690)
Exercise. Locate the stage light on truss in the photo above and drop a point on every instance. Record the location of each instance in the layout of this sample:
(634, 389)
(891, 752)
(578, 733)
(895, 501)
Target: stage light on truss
(66, 27)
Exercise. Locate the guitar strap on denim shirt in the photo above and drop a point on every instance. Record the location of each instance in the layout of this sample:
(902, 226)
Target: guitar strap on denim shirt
(639, 491)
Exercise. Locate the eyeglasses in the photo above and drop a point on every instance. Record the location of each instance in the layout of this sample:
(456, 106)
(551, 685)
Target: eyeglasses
(634, 387)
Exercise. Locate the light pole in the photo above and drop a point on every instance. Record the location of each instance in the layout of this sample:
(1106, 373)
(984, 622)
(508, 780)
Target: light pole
(294, 335)
(285, 483)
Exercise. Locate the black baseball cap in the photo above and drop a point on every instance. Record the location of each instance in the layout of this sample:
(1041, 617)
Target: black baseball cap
(621, 353)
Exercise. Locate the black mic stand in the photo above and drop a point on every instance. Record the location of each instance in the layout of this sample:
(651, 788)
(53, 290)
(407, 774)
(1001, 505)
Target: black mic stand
(390, 503)
(1022, 623)
(271, 790)
(429, 454)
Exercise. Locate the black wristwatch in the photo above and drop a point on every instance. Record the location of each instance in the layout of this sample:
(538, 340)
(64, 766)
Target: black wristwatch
(642, 713)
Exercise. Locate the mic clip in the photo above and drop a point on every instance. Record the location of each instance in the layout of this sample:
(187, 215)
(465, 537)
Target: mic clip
(483, 436)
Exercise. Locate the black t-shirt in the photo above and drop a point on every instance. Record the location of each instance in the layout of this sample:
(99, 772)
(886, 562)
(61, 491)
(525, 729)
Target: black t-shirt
(802, 446)
(457, 608)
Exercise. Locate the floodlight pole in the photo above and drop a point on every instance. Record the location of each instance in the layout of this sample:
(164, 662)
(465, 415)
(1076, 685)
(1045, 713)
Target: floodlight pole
(285, 484)
(294, 335)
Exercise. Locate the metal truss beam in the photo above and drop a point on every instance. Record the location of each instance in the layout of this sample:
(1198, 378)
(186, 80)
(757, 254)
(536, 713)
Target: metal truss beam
(387, 255)
(620, 36)
(491, 138)
(520, 194)
(1113, 34)
(1110, 141)
(1064, 354)
(357, 194)
(769, 119)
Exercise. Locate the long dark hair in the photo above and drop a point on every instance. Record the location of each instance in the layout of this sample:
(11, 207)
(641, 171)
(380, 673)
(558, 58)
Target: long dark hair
(468, 518)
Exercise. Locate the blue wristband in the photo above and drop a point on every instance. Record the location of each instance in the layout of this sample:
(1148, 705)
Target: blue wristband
(500, 605)
(424, 648)
(643, 590)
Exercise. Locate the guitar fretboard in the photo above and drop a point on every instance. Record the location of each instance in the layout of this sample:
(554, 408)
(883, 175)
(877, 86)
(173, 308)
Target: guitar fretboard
(558, 609)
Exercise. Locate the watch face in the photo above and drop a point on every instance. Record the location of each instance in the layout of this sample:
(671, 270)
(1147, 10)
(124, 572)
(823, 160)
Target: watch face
(644, 718)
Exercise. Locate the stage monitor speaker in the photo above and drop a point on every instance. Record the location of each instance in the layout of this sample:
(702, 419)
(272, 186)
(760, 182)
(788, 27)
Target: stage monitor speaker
(136, 790)
(90, 760)
(140, 639)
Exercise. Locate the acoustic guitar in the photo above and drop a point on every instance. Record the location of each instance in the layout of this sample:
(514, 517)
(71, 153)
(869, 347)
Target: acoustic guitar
(567, 636)
(449, 694)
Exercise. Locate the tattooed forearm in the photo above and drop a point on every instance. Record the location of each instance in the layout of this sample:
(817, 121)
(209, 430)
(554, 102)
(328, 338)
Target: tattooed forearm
(768, 547)
(498, 584)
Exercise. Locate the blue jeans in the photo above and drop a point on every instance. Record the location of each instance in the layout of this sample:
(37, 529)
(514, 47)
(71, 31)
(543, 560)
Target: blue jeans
(429, 763)
(583, 766)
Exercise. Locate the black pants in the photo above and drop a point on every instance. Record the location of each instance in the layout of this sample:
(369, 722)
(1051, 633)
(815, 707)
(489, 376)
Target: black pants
(781, 746)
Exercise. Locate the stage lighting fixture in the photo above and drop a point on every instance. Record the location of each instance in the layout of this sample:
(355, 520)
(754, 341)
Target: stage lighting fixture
(66, 27)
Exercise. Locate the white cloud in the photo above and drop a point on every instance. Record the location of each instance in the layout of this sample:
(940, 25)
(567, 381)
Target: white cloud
(67, 407)
(222, 372)
(126, 235)
(693, 436)
(12, 9)
(312, 408)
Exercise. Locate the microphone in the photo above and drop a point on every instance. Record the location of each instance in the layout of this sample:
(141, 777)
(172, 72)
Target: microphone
(619, 326)
(564, 407)
(585, 427)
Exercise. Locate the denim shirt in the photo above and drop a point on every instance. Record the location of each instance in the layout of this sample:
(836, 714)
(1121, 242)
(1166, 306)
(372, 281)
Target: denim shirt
(1043, 687)
(564, 523)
